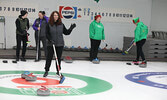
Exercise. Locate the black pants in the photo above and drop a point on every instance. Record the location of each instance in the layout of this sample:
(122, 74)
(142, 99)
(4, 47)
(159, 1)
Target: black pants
(50, 53)
(94, 48)
(43, 39)
(19, 39)
(140, 50)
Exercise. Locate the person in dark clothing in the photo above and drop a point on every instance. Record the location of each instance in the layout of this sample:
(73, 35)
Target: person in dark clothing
(22, 25)
(54, 34)
(40, 33)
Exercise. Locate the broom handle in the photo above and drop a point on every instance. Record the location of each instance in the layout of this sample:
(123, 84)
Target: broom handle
(38, 44)
(129, 47)
(56, 62)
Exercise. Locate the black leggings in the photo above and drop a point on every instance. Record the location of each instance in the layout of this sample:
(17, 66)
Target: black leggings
(140, 50)
(19, 39)
(94, 48)
(50, 53)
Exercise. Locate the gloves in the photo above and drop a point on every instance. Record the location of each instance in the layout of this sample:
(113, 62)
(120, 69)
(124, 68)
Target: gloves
(72, 26)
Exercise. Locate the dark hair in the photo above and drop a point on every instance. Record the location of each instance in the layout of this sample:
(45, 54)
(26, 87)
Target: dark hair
(23, 12)
(51, 19)
(42, 12)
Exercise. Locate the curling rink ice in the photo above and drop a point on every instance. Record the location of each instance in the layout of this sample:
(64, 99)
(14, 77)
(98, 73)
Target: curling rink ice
(109, 80)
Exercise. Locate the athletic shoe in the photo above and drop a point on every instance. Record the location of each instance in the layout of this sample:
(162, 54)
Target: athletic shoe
(136, 62)
(45, 74)
(17, 59)
(23, 59)
(143, 64)
(36, 60)
(144, 61)
(96, 61)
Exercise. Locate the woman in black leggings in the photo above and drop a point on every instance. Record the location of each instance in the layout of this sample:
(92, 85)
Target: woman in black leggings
(54, 34)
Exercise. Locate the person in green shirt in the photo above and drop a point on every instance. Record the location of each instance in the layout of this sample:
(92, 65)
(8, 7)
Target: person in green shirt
(96, 34)
(141, 32)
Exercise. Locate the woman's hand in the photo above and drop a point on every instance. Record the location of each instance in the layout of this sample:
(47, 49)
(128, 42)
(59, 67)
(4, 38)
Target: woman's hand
(72, 26)
(38, 28)
(134, 44)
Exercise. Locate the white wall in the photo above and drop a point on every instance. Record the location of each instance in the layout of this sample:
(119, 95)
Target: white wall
(79, 37)
(159, 15)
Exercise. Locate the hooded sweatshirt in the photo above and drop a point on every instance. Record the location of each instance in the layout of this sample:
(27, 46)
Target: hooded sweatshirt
(96, 31)
(141, 30)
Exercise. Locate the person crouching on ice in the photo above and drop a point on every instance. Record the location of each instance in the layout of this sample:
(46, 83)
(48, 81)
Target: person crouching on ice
(54, 34)
(96, 34)
(141, 32)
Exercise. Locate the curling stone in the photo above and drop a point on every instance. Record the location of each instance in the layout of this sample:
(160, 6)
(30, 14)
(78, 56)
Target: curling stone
(68, 59)
(104, 50)
(79, 48)
(31, 77)
(85, 49)
(142, 65)
(25, 74)
(43, 91)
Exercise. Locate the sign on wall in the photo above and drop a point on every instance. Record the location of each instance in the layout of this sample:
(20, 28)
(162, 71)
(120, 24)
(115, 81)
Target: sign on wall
(13, 9)
(88, 13)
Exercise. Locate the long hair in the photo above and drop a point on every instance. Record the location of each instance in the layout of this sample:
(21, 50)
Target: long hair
(51, 19)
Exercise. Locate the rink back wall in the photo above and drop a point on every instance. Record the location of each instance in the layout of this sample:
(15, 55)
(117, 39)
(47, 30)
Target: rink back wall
(114, 31)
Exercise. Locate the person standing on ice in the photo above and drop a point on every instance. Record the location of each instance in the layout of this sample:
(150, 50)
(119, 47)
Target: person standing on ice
(96, 34)
(40, 33)
(22, 25)
(54, 34)
(141, 32)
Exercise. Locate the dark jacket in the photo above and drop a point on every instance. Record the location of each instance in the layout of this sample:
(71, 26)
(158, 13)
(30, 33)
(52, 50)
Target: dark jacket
(21, 25)
(55, 33)
(42, 23)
